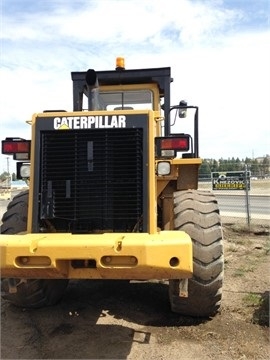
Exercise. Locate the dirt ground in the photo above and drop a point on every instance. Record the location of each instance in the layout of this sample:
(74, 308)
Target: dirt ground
(116, 320)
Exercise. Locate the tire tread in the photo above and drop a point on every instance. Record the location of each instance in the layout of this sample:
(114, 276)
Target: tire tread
(197, 213)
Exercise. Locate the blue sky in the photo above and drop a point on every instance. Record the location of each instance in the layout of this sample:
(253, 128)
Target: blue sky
(219, 53)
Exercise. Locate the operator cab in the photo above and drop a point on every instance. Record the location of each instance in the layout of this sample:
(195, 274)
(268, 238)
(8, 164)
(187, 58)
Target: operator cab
(121, 89)
(135, 89)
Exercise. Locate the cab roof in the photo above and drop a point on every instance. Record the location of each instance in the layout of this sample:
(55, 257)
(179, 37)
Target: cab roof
(160, 76)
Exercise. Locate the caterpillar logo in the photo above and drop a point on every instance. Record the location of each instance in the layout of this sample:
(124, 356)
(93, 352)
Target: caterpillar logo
(89, 122)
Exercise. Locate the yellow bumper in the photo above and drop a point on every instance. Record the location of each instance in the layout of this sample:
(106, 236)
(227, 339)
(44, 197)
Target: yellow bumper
(165, 255)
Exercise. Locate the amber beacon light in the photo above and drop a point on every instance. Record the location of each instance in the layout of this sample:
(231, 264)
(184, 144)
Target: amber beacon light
(120, 63)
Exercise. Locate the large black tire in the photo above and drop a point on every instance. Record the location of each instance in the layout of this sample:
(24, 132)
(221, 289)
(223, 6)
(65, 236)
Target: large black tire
(196, 213)
(14, 219)
(31, 293)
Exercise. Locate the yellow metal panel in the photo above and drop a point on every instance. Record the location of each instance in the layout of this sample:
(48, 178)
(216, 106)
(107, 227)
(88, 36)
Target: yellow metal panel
(165, 255)
(32, 173)
(186, 161)
(185, 171)
(152, 221)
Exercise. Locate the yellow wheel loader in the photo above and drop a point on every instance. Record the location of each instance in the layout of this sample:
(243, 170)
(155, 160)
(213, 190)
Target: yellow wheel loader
(112, 195)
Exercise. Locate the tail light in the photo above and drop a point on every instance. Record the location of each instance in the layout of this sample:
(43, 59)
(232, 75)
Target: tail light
(19, 148)
(169, 146)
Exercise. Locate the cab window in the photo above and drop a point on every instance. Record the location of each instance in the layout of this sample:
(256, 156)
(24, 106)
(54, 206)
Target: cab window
(126, 100)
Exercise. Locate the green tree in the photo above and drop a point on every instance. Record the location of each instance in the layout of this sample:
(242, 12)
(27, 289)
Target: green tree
(214, 166)
(205, 170)
(266, 165)
(238, 164)
(4, 176)
(254, 167)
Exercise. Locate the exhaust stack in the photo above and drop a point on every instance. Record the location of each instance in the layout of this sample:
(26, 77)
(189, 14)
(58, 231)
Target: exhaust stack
(93, 92)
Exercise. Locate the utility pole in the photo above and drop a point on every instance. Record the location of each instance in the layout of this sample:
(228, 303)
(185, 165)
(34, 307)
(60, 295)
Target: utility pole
(247, 184)
(8, 176)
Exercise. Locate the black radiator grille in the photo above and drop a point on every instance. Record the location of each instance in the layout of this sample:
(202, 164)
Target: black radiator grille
(92, 179)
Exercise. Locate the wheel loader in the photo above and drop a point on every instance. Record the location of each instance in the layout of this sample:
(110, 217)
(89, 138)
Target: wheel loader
(113, 194)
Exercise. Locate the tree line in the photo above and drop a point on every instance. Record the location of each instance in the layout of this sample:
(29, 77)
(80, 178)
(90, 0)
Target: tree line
(259, 167)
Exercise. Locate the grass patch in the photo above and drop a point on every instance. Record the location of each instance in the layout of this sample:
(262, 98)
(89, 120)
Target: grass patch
(242, 241)
(261, 248)
(243, 270)
(252, 299)
(267, 247)
(232, 248)
(237, 241)
(244, 229)
(239, 272)
(240, 229)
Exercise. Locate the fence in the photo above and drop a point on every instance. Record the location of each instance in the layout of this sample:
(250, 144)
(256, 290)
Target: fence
(250, 207)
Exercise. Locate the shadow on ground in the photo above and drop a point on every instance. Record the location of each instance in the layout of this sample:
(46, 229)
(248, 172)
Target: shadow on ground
(261, 314)
(140, 302)
(107, 317)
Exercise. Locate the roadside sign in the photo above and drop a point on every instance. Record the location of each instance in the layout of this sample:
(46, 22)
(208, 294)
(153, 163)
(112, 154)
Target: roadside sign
(230, 180)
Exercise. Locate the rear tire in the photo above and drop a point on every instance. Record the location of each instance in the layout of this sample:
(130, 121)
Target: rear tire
(196, 213)
(31, 293)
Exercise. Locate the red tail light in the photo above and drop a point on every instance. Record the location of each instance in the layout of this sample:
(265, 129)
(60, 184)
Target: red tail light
(169, 146)
(179, 144)
(19, 148)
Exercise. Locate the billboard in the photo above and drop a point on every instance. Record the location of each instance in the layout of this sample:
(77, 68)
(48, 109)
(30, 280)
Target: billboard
(230, 180)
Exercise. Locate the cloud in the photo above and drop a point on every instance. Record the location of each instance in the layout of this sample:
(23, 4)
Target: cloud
(123, 21)
(218, 52)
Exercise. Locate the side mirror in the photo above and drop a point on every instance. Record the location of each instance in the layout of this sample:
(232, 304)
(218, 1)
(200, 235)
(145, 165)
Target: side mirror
(182, 111)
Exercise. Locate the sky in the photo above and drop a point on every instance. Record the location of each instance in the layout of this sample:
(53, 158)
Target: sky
(218, 51)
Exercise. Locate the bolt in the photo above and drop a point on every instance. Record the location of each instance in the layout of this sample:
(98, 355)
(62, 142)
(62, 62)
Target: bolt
(24, 260)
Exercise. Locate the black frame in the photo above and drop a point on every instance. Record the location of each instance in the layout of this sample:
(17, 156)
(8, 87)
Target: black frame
(47, 123)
